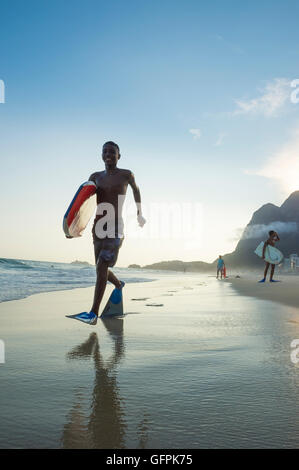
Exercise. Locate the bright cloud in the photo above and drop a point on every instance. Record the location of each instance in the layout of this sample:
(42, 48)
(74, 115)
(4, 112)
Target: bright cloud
(196, 133)
(260, 230)
(272, 98)
(283, 166)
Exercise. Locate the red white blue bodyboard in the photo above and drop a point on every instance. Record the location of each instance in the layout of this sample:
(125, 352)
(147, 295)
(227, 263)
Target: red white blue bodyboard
(80, 210)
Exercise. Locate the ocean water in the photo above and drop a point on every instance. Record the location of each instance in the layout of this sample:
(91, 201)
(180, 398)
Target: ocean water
(21, 278)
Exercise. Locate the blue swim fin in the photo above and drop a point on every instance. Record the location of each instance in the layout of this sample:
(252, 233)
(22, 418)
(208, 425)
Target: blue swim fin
(114, 306)
(86, 317)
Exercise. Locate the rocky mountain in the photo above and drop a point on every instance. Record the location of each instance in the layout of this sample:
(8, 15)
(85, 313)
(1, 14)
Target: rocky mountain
(284, 220)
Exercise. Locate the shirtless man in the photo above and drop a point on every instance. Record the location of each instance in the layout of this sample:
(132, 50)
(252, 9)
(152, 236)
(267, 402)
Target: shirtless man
(107, 229)
(273, 237)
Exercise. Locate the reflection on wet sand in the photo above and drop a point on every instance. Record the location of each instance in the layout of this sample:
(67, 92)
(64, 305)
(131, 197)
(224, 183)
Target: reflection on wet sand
(97, 418)
(100, 424)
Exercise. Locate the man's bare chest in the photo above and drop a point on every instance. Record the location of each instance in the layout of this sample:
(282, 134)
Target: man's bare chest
(112, 184)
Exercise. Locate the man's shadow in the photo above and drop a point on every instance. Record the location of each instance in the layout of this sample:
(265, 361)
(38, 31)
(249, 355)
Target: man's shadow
(104, 425)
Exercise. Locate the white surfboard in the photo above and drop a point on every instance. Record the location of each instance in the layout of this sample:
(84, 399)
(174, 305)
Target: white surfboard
(272, 254)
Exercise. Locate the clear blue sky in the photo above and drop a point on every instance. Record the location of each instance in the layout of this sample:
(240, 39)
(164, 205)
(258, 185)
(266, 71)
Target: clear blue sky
(195, 93)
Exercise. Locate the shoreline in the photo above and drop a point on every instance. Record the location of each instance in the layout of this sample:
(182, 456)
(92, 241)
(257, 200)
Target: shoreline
(284, 292)
(128, 280)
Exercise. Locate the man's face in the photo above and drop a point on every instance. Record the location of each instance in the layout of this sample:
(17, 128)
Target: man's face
(110, 155)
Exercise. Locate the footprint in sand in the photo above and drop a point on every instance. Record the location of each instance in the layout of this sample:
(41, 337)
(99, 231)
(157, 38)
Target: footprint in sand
(154, 305)
(141, 298)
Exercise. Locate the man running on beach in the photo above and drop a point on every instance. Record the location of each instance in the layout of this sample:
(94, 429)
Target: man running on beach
(220, 266)
(107, 229)
(273, 237)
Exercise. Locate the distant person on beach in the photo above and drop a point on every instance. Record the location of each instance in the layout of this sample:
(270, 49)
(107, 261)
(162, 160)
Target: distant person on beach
(223, 271)
(220, 267)
(111, 189)
(273, 237)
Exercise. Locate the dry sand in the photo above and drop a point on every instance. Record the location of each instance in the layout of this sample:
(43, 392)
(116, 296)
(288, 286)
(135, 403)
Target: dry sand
(285, 292)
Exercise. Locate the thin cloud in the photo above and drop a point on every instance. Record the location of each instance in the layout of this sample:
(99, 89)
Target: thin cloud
(234, 47)
(196, 133)
(237, 234)
(220, 139)
(272, 98)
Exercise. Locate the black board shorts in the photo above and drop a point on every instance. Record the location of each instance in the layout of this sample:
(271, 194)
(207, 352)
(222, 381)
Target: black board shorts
(106, 249)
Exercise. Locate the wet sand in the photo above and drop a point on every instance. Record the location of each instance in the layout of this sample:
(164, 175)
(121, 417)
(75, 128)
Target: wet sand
(208, 368)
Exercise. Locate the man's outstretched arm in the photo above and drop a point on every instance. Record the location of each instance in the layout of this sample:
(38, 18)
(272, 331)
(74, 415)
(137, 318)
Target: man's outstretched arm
(137, 198)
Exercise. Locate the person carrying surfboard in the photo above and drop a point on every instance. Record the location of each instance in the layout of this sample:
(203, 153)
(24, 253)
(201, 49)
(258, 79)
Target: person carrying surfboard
(273, 237)
(111, 187)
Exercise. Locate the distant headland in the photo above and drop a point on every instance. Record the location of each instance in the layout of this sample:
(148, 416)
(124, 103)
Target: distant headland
(80, 263)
